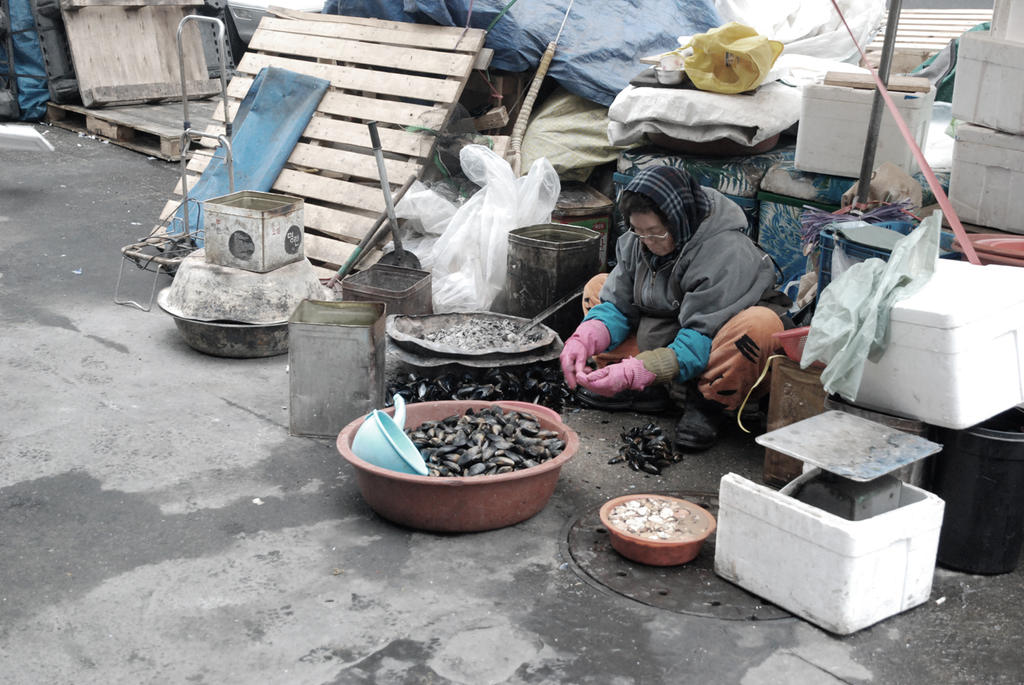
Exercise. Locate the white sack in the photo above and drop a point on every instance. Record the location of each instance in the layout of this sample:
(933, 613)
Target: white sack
(701, 116)
(809, 27)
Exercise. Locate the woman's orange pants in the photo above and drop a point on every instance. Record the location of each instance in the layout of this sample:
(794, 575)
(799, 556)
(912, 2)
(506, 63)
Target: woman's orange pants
(739, 351)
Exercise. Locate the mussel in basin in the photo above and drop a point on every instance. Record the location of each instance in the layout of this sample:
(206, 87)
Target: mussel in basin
(462, 503)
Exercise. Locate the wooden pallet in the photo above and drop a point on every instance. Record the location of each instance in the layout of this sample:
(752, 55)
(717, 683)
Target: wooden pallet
(125, 51)
(153, 130)
(922, 33)
(404, 76)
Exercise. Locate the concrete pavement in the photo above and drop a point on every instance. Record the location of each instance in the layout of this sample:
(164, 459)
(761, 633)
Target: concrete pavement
(159, 525)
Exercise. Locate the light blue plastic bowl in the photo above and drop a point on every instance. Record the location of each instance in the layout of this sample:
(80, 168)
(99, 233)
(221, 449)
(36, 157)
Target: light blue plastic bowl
(399, 411)
(382, 442)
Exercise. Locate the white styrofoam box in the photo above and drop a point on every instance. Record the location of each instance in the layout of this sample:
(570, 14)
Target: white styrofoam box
(956, 348)
(834, 127)
(1008, 20)
(987, 177)
(838, 574)
(253, 230)
(989, 85)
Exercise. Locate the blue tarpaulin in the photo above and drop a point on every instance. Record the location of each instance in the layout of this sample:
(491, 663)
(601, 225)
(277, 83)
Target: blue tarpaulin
(269, 122)
(597, 52)
(28, 62)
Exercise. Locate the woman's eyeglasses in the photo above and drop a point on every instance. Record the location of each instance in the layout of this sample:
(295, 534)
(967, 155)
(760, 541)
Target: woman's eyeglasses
(649, 236)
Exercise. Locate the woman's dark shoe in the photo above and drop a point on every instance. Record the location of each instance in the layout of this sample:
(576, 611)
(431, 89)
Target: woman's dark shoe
(698, 427)
(649, 401)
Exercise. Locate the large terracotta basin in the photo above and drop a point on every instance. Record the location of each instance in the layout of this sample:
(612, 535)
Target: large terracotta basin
(460, 504)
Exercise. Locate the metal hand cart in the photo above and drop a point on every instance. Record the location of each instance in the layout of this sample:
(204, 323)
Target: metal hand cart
(161, 251)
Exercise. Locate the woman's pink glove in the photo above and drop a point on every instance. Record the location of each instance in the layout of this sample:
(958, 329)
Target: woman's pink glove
(629, 374)
(590, 337)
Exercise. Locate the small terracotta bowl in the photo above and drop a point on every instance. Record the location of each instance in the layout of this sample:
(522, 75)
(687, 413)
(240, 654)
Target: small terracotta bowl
(655, 552)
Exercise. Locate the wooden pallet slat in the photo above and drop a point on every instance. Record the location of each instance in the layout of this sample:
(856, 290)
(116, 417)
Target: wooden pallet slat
(365, 80)
(356, 53)
(922, 33)
(145, 92)
(384, 31)
(330, 190)
(930, 28)
(78, 4)
(387, 111)
(341, 104)
(397, 141)
(367, 35)
(337, 223)
(327, 251)
(354, 164)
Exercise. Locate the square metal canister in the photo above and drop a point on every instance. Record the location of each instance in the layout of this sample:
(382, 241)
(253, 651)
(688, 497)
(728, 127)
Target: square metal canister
(335, 365)
(252, 230)
(403, 290)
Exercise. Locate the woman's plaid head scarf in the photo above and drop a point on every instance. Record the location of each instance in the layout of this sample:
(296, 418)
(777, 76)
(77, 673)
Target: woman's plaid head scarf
(679, 197)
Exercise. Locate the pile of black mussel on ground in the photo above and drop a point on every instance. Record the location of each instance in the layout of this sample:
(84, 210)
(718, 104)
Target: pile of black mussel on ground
(484, 442)
(645, 449)
(537, 384)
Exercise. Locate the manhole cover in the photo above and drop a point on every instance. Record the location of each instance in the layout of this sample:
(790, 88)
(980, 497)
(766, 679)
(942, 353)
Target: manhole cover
(692, 588)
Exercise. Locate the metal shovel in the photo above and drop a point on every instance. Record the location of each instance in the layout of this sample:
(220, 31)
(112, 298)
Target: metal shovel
(400, 256)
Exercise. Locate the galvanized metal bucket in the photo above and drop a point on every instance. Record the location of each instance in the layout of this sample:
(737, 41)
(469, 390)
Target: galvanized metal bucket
(546, 262)
(335, 365)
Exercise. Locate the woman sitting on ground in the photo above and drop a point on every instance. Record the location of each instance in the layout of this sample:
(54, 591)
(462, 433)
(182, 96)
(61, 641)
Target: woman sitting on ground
(690, 307)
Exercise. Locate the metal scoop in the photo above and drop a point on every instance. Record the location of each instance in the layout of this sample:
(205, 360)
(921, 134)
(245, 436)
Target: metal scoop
(549, 310)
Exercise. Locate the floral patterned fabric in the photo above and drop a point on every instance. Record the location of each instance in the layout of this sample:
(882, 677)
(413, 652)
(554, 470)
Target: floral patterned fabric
(784, 192)
(784, 178)
(731, 176)
(738, 178)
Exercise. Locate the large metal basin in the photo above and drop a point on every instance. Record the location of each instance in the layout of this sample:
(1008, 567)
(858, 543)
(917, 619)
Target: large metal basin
(409, 331)
(211, 292)
(461, 504)
(230, 339)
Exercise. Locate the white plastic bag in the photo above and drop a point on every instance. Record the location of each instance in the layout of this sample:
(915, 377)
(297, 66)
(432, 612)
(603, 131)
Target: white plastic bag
(469, 260)
(808, 27)
(851, 323)
(426, 210)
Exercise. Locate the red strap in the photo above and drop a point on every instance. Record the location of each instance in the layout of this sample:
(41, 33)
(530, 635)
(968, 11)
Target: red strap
(929, 175)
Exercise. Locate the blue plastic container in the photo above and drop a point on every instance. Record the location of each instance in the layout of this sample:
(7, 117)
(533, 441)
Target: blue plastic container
(857, 252)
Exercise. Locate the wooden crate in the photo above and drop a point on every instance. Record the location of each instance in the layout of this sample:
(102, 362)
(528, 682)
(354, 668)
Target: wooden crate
(125, 51)
(407, 77)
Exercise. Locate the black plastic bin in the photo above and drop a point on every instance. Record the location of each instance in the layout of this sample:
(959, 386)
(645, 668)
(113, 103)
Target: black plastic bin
(980, 475)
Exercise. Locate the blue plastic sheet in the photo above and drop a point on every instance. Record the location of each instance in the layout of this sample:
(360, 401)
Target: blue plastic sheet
(269, 122)
(597, 52)
(28, 62)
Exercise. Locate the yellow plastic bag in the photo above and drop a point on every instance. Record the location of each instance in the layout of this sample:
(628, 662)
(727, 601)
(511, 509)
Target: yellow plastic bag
(730, 59)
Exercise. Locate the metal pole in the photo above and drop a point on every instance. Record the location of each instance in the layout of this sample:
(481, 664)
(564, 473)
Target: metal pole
(868, 160)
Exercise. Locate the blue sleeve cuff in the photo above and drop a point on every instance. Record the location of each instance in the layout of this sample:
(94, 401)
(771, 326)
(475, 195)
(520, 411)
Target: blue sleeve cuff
(614, 320)
(692, 350)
